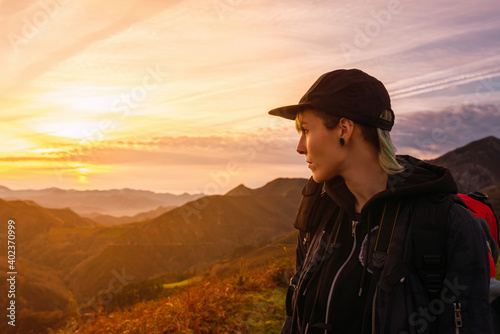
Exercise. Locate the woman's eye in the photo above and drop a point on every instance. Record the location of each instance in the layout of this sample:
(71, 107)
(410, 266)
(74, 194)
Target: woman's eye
(305, 131)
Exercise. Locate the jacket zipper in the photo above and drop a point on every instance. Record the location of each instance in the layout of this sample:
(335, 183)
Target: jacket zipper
(457, 308)
(354, 224)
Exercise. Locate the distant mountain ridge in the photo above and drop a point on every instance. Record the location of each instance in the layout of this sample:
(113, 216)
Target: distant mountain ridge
(112, 220)
(277, 187)
(115, 202)
(475, 165)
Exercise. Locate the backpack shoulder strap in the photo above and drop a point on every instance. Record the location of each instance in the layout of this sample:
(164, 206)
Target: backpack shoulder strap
(386, 226)
(385, 233)
(430, 217)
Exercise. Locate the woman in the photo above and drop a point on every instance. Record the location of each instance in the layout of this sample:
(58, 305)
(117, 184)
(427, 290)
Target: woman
(372, 255)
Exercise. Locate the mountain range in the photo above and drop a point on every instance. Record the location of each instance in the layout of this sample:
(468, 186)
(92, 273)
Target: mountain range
(113, 220)
(115, 202)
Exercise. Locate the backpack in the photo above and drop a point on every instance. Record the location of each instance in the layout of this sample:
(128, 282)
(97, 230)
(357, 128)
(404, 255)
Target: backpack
(429, 224)
(478, 204)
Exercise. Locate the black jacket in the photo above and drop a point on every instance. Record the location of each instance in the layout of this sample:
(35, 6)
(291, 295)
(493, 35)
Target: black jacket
(334, 291)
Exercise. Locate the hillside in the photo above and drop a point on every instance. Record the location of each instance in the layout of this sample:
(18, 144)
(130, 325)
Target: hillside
(475, 165)
(32, 219)
(41, 298)
(493, 193)
(187, 237)
(239, 294)
(44, 295)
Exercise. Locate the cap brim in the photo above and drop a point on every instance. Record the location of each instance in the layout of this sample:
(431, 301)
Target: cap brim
(288, 112)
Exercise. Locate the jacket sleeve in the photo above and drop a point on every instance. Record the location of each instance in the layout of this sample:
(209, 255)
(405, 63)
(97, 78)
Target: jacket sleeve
(300, 256)
(465, 291)
(310, 194)
(492, 245)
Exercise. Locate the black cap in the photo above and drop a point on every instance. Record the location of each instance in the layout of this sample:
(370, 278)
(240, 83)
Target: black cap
(351, 94)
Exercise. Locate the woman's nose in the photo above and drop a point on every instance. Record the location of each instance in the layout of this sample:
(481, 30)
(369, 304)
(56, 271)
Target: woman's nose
(301, 147)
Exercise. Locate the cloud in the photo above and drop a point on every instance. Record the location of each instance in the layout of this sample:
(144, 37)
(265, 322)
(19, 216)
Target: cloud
(227, 65)
(264, 146)
(67, 47)
(428, 134)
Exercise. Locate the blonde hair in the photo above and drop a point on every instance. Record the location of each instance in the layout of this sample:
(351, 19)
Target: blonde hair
(380, 139)
(329, 121)
(386, 151)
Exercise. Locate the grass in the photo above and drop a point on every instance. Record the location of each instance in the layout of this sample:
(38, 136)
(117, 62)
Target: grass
(250, 300)
(181, 283)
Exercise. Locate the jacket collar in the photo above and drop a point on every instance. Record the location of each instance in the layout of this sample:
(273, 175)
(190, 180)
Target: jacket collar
(418, 178)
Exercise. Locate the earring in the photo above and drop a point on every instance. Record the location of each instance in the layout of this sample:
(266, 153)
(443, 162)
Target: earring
(342, 141)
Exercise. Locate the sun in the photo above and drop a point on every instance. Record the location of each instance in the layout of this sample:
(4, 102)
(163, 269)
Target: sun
(82, 175)
(83, 179)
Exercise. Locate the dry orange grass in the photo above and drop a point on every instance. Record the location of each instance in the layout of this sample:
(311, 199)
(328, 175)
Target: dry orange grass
(212, 305)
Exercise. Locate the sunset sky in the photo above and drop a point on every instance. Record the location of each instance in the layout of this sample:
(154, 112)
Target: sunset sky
(172, 96)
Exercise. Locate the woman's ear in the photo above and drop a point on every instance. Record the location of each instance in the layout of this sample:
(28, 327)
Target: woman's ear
(346, 127)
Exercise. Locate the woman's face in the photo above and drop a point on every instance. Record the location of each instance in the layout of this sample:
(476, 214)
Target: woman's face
(321, 147)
